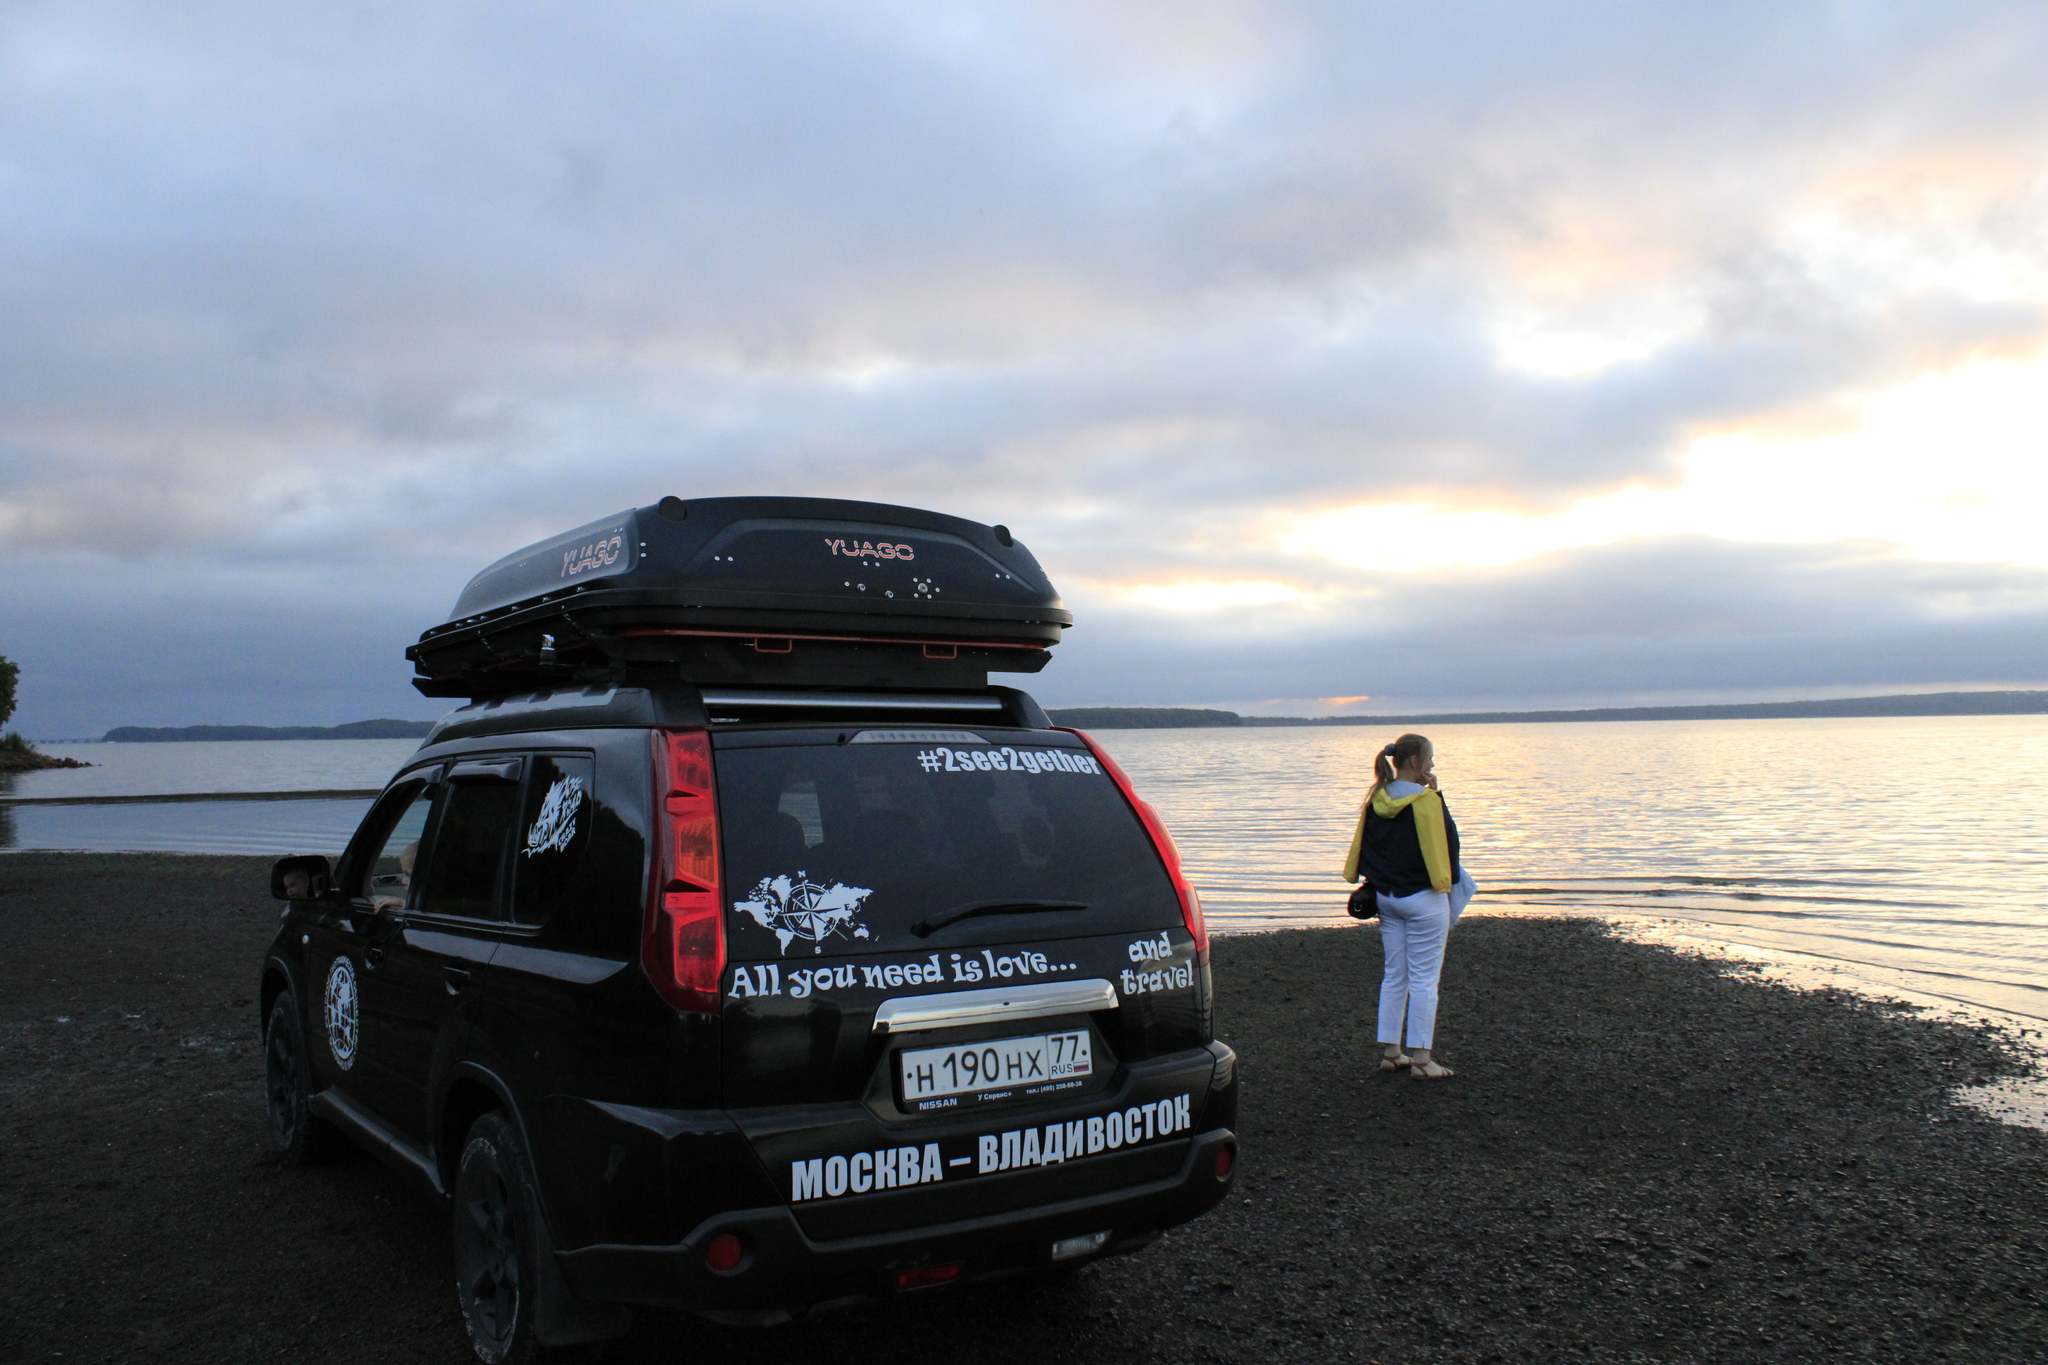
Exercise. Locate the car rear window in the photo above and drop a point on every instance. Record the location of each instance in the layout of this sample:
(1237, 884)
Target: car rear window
(835, 848)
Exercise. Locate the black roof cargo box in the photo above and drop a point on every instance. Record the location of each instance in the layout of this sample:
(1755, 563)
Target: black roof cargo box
(796, 591)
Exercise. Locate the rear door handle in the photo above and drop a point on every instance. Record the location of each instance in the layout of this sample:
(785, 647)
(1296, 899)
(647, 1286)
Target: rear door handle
(456, 978)
(372, 956)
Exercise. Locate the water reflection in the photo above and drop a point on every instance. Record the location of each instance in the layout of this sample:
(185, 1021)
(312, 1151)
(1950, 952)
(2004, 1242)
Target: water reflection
(1825, 837)
(272, 828)
(1818, 836)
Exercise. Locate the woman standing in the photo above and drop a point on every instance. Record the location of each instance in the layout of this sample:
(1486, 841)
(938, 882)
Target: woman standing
(1407, 847)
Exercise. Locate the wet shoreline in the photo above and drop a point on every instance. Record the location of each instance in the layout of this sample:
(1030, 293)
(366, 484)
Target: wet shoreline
(1648, 1154)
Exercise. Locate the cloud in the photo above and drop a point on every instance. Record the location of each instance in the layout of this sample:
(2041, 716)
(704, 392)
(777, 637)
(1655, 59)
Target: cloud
(101, 645)
(379, 292)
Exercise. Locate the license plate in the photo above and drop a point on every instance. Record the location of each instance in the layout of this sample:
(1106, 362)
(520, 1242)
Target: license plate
(940, 1077)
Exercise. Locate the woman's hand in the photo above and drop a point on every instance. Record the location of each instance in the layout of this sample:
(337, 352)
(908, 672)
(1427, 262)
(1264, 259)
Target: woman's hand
(1421, 769)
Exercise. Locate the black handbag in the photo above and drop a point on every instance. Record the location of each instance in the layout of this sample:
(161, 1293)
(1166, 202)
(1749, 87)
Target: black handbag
(1364, 902)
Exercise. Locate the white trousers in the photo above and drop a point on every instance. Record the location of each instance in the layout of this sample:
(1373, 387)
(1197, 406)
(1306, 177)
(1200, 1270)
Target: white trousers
(1413, 930)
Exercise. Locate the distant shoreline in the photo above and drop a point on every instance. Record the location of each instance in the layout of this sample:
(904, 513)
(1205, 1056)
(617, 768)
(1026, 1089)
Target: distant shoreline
(1906, 704)
(360, 729)
(1183, 717)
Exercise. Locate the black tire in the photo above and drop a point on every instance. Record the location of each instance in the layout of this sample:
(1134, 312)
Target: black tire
(297, 1136)
(514, 1305)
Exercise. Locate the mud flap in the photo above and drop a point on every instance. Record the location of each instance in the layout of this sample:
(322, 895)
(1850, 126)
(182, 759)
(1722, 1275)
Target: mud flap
(562, 1319)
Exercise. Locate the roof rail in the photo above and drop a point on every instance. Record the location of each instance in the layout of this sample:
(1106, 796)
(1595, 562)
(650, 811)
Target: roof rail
(730, 703)
(682, 705)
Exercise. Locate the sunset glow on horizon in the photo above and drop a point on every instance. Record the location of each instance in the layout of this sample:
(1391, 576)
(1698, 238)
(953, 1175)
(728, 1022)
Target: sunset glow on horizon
(1942, 467)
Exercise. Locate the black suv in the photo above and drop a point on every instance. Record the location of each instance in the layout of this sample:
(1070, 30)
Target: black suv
(752, 1000)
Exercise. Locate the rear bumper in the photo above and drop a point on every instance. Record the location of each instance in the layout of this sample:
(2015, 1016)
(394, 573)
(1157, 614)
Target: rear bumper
(786, 1270)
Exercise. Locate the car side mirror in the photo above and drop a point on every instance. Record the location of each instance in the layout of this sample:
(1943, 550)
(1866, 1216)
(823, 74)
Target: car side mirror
(304, 877)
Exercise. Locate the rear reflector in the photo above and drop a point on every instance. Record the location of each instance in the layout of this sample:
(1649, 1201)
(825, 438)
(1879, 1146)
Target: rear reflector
(1226, 1160)
(683, 941)
(1067, 1248)
(1190, 903)
(725, 1253)
(925, 1276)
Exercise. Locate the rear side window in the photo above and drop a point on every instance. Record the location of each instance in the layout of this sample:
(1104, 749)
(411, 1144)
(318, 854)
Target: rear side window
(554, 832)
(471, 844)
(841, 848)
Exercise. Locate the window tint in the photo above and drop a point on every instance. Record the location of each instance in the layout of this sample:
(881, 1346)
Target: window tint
(388, 882)
(470, 845)
(833, 848)
(554, 833)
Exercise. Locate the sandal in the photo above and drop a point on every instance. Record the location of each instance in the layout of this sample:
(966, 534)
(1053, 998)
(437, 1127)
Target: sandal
(1395, 1063)
(1430, 1071)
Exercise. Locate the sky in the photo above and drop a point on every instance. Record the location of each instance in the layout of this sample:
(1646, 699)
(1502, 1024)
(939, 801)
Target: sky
(1374, 356)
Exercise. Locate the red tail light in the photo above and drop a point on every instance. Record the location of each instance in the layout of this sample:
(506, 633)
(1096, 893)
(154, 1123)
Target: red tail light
(1190, 902)
(683, 945)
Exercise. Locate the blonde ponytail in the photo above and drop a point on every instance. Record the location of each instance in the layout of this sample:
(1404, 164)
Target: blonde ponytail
(1389, 761)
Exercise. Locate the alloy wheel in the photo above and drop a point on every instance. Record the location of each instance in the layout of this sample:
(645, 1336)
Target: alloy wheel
(281, 1083)
(490, 1273)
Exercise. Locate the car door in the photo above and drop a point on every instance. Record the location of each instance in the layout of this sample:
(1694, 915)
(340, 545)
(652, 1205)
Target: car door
(426, 961)
(344, 943)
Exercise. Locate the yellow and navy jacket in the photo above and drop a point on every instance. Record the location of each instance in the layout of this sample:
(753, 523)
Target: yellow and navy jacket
(1404, 844)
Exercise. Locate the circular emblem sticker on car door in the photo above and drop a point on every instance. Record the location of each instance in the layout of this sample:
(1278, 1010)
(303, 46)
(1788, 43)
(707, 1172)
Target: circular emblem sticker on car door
(340, 1012)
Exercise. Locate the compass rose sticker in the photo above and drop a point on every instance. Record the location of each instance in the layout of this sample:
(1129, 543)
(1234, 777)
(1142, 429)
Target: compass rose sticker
(795, 908)
(338, 1008)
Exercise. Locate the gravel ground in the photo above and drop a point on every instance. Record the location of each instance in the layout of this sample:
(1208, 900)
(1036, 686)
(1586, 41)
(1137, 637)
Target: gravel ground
(1644, 1156)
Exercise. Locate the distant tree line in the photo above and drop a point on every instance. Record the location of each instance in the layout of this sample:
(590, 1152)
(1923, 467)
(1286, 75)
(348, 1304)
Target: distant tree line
(356, 729)
(1905, 704)
(1140, 717)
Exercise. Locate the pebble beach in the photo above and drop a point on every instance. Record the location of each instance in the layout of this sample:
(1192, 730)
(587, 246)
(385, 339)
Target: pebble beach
(1646, 1155)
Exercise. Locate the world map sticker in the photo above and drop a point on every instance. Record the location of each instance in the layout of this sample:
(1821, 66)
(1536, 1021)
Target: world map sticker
(795, 908)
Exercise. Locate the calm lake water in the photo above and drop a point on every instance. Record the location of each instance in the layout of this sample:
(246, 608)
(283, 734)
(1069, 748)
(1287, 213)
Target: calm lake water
(1851, 840)
(273, 827)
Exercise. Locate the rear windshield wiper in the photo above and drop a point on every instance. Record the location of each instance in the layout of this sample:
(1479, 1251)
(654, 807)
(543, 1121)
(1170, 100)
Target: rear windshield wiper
(930, 924)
